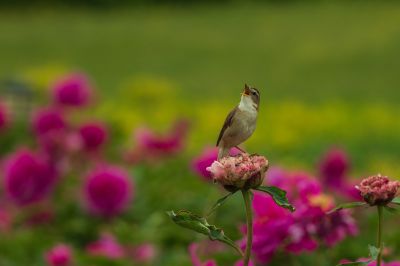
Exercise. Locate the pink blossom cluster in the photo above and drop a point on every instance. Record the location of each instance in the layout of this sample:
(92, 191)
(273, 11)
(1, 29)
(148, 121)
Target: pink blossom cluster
(240, 171)
(378, 190)
(277, 229)
(73, 90)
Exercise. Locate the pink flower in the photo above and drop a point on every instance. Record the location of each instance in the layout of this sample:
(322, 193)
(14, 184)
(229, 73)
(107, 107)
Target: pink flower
(378, 190)
(152, 146)
(60, 255)
(107, 246)
(240, 171)
(5, 220)
(73, 90)
(108, 190)
(28, 177)
(48, 120)
(196, 260)
(144, 253)
(333, 169)
(301, 231)
(205, 159)
(93, 135)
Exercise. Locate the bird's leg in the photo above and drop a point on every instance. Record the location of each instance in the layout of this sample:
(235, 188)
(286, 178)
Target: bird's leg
(240, 149)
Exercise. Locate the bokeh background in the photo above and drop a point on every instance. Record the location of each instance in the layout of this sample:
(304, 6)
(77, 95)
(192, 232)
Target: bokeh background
(328, 72)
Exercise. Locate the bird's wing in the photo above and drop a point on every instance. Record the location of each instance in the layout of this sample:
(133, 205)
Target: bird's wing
(227, 123)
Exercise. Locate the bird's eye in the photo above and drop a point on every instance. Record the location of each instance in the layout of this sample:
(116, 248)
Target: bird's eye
(254, 93)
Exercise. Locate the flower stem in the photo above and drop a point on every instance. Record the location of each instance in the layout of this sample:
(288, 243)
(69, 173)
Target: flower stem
(379, 259)
(249, 219)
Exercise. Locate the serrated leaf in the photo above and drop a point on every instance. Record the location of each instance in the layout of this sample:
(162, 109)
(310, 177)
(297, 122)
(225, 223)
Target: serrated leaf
(373, 253)
(396, 201)
(278, 195)
(219, 203)
(199, 224)
(348, 205)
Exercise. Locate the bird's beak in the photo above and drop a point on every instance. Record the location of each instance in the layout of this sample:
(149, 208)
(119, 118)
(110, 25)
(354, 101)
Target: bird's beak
(246, 92)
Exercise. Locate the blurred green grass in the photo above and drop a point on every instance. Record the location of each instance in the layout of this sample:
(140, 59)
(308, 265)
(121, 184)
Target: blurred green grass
(312, 51)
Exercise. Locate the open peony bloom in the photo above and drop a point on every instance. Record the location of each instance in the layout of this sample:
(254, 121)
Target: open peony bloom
(72, 90)
(242, 171)
(60, 255)
(378, 190)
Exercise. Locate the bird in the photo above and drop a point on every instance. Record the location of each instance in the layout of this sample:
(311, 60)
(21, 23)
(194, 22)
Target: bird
(240, 123)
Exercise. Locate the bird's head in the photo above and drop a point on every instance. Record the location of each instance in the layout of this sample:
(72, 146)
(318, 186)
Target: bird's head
(252, 94)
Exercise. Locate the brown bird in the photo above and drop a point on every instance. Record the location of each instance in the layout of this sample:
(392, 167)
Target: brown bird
(240, 123)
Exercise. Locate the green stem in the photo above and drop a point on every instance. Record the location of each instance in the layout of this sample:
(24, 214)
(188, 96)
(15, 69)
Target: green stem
(379, 259)
(249, 219)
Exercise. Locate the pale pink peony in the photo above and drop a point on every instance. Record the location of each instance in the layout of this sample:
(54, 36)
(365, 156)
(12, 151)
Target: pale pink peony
(200, 164)
(378, 190)
(242, 171)
(60, 255)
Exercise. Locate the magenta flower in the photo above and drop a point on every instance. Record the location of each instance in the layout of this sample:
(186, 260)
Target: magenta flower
(301, 231)
(73, 90)
(334, 169)
(378, 190)
(107, 246)
(60, 255)
(48, 120)
(93, 135)
(152, 146)
(205, 159)
(28, 177)
(193, 249)
(108, 190)
(240, 171)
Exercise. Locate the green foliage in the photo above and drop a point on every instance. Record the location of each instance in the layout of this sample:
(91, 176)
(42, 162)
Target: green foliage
(278, 195)
(348, 205)
(199, 224)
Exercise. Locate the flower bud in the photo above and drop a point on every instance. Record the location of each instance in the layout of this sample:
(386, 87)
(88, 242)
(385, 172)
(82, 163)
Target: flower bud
(378, 190)
(242, 171)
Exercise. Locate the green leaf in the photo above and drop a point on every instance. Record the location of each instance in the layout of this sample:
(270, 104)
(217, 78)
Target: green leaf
(391, 209)
(199, 224)
(348, 205)
(219, 203)
(396, 201)
(278, 195)
(373, 253)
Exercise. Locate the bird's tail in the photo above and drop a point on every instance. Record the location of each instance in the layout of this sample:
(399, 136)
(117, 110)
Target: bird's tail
(222, 152)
